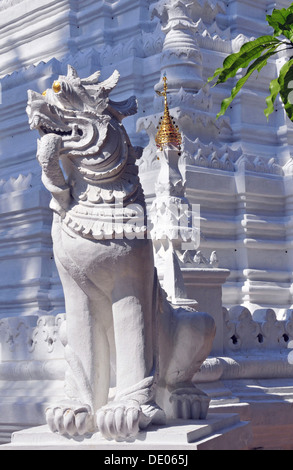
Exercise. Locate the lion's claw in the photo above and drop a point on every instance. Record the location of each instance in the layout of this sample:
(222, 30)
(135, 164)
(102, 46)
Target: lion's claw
(70, 420)
(119, 421)
(187, 404)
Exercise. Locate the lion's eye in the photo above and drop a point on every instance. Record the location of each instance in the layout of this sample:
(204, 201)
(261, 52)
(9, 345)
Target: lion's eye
(56, 86)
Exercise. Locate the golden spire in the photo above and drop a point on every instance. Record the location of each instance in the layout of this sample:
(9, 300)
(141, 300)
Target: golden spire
(168, 132)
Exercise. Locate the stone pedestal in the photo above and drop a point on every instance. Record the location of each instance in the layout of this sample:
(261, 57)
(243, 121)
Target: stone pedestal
(205, 285)
(217, 432)
(265, 403)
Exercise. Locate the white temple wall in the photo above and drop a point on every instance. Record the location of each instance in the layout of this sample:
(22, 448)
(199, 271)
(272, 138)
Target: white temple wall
(253, 178)
(238, 169)
(33, 53)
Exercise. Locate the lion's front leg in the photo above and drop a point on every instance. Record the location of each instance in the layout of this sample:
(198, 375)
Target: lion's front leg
(134, 361)
(86, 350)
(133, 407)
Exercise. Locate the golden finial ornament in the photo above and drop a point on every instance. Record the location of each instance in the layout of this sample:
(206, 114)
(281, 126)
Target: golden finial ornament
(168, 132)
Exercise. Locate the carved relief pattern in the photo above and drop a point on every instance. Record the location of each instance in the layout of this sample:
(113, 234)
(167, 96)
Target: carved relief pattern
(145, 45)
(257, 331)
(31, 337)
(243, 331)
(20, 183)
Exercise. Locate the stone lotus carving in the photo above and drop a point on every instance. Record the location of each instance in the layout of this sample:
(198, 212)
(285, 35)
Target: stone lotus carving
(117, 316)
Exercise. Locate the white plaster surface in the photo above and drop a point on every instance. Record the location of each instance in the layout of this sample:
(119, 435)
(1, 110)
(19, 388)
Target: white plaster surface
(238, 169)
(218, 431)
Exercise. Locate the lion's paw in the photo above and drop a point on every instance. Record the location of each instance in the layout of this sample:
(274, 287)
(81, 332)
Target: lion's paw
(119, 421)
(188, 404)
(70, 419)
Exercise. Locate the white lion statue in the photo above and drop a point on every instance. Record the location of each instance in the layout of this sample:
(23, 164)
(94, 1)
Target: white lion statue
(120, 332)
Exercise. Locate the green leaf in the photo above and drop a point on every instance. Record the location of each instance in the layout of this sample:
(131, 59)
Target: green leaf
(288, 28)
(240, 60)
(257, 53)
(258, 64)
(282, 22)
(270, 100)
(286, 87)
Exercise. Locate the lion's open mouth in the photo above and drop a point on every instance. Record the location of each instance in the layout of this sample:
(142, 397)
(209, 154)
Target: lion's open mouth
(61, 132)
(46, 130)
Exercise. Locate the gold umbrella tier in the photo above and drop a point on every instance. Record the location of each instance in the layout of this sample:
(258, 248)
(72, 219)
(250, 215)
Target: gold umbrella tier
(168, 132)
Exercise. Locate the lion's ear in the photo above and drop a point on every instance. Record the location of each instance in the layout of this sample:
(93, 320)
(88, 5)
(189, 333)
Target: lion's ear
(92, 79)
(110, 82)
(71, 72)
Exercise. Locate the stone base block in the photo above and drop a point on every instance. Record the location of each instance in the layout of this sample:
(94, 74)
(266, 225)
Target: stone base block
(218, 432)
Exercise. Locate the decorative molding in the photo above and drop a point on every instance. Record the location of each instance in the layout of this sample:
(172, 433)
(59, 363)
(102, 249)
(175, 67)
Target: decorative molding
(46, 333)
(195, 258)
(211, 156)
(258, 331)
(31, 337)
(288, 167)
(21, 370)
(144, 45)
(256, 345)
(259, 165)
(20, 183)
